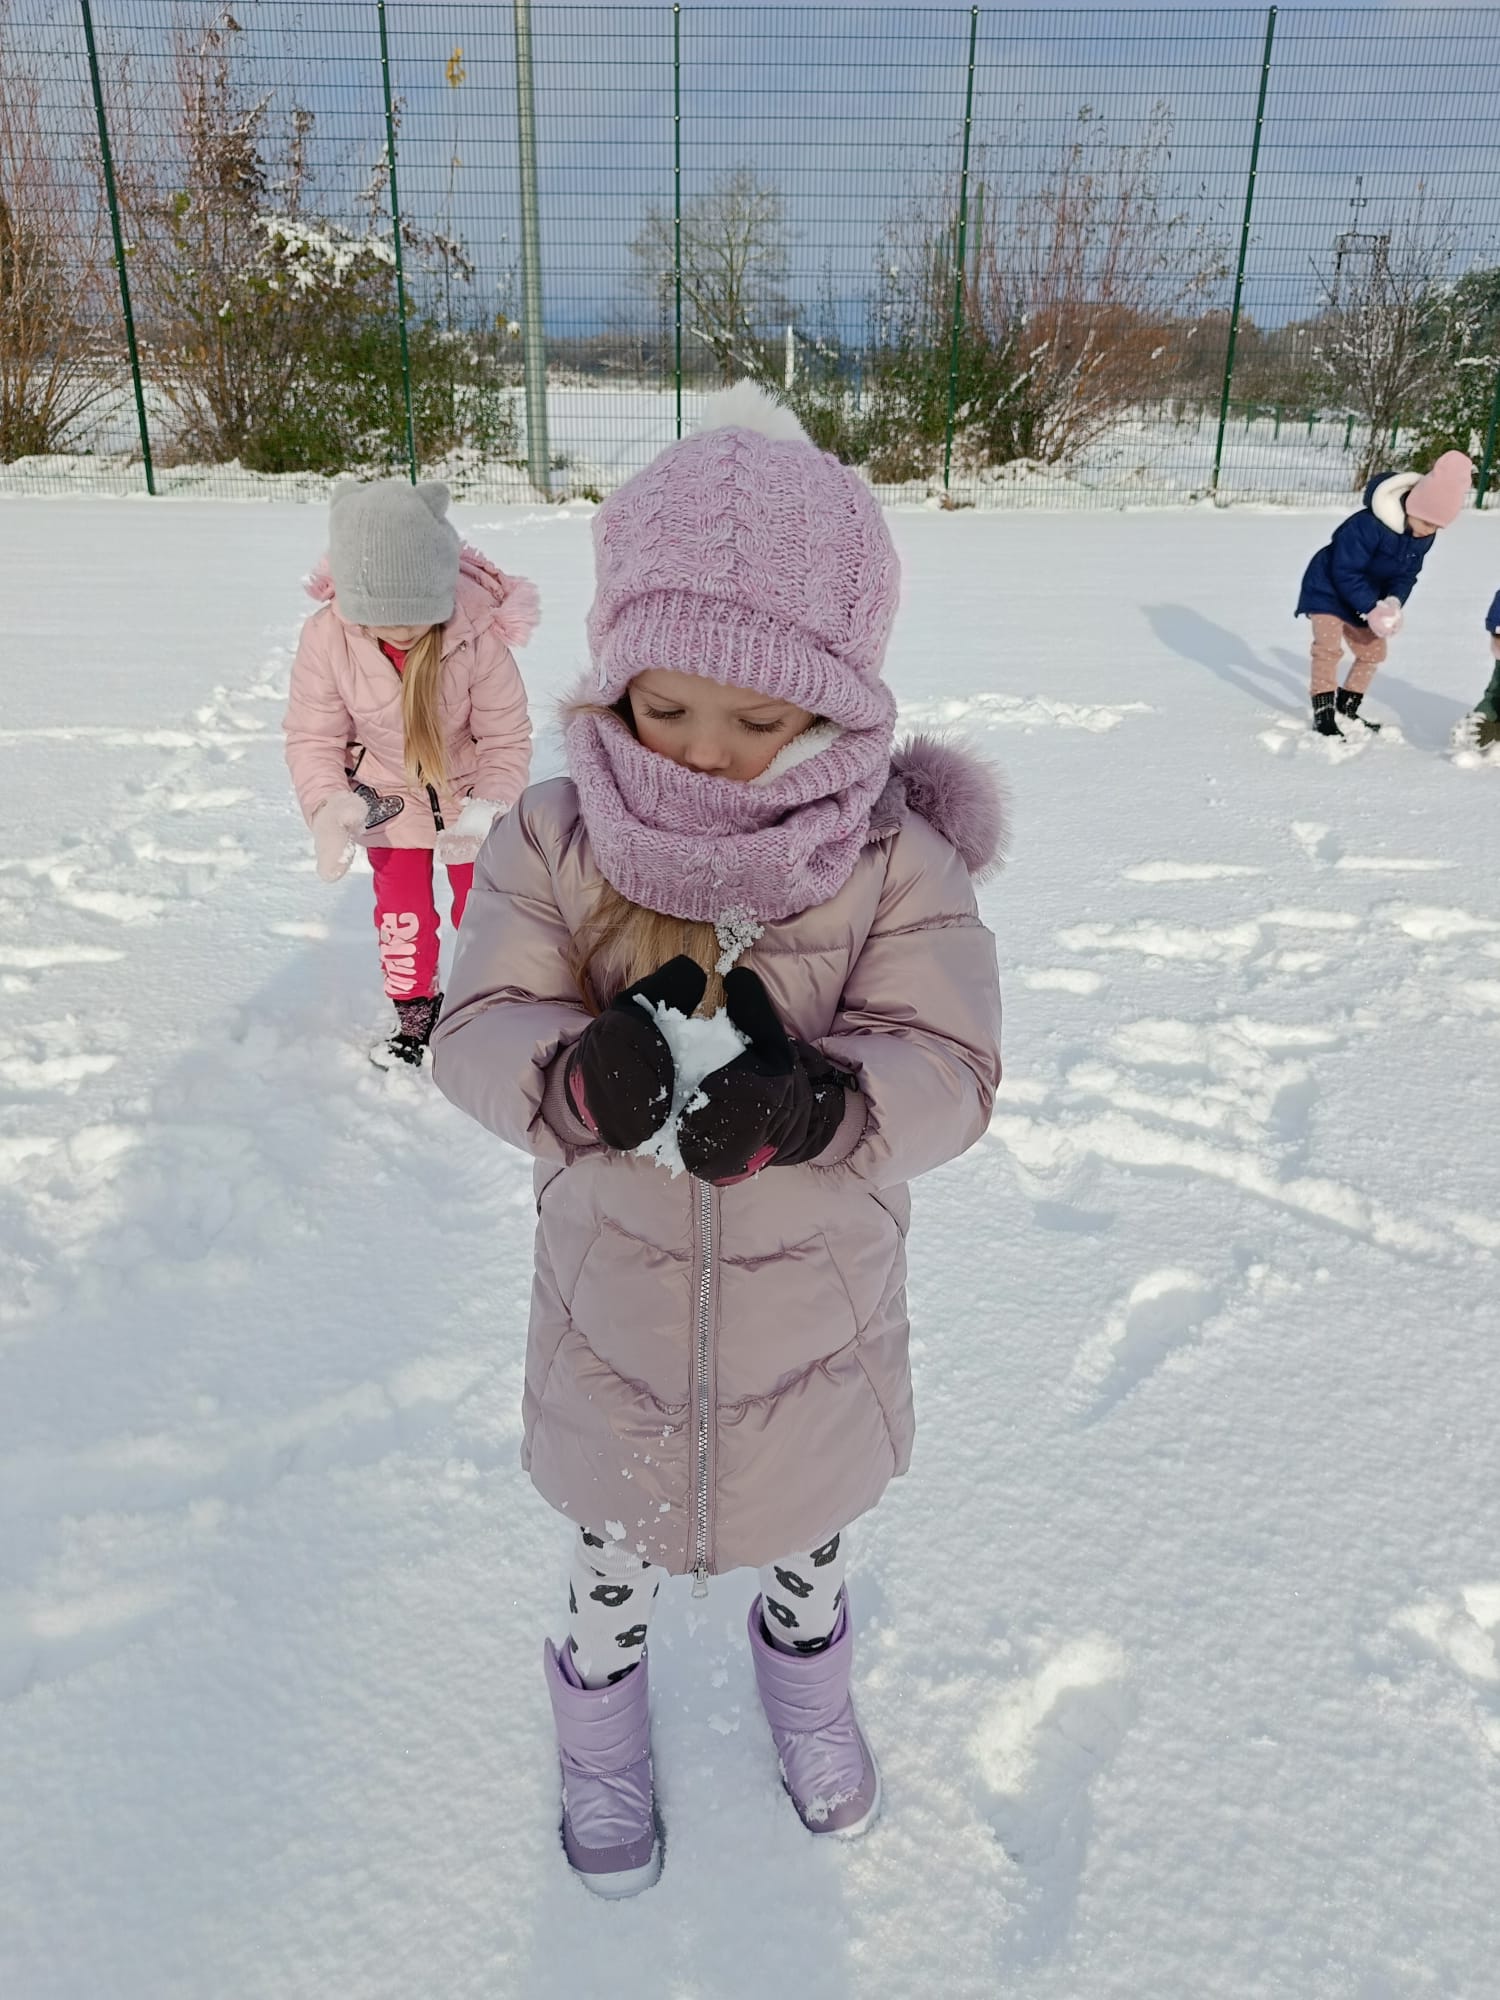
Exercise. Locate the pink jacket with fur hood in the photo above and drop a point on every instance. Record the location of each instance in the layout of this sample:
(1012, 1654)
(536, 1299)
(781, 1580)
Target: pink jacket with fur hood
(721, 1374)
(346, 697)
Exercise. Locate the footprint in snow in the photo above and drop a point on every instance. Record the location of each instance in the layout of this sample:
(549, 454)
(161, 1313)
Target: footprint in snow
(46, 1637)
(1450, 1654)
(1165, 1314)
(1253, 942)
(1042, 1747)
(1061, 979)
(1186, 871)
(1324, 849)
(1020, 712)
(1428, 924)
(1290, 736)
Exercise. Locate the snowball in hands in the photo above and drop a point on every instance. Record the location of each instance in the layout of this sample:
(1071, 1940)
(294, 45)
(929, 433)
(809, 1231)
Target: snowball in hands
(1384, 620)
(334, 826)
(699, 1047)
(461, 842)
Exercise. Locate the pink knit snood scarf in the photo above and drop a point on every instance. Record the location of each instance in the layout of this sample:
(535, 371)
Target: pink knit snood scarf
(715, 850)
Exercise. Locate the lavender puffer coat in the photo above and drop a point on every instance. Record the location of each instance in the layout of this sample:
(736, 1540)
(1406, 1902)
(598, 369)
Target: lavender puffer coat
(722, 1374)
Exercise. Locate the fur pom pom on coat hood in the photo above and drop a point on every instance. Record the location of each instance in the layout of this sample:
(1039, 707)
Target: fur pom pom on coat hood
(960, 796)
(512, 612)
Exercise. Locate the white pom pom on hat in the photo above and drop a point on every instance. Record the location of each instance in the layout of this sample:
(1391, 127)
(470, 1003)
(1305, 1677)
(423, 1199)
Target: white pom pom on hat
(748, 407)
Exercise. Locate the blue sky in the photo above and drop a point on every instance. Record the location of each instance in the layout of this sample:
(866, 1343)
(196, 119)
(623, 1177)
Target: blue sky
(853, 111)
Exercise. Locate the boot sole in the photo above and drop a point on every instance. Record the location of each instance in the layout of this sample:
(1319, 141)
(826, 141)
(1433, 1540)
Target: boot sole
(625, 1881)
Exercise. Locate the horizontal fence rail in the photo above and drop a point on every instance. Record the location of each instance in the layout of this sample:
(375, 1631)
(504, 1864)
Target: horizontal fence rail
(996, 257)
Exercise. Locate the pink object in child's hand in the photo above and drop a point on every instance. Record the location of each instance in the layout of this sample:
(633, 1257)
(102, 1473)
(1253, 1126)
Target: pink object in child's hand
(1384, 619)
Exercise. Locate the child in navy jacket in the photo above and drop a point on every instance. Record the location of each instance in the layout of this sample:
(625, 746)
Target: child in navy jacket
(1353, 590)
(1482, 728)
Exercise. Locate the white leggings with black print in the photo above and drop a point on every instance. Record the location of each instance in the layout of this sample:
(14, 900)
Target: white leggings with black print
(611, 1595)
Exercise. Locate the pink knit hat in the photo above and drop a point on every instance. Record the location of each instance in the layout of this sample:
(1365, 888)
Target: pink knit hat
(746, 554)
(1440, 496)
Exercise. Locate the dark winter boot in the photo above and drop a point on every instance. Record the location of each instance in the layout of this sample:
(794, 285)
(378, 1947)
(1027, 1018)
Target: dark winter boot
(417, 1019)
(1348, 704)
(1325, 721)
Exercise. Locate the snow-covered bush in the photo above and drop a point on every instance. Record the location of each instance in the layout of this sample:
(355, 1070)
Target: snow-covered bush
(274, 331)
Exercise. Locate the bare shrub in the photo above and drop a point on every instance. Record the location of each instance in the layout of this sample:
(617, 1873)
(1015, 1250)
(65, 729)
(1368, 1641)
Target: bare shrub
(1089, 284)
(1079, 297)
(274, 330)
(735, 250)
(58, 359)
(1385, 335)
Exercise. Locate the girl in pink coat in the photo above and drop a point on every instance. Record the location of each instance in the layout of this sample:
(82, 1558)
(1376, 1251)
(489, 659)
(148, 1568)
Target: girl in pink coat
(717, 1369)
(407, 731)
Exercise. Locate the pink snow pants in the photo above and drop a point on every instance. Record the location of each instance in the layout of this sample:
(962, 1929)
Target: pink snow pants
(406, 917)
(1330, 636)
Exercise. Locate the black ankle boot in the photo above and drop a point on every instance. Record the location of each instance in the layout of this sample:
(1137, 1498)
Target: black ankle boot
(1325, 721)
(1348, 704)
(417, 1020)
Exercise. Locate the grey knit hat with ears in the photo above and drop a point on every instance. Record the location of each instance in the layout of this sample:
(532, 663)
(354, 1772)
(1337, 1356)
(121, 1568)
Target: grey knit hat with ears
(392, 553)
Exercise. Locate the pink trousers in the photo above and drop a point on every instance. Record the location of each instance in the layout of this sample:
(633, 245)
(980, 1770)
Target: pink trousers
(1330, 636)
(406, 917)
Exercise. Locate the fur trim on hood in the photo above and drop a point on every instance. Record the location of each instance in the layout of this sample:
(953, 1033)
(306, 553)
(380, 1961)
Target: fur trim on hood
(960, 796)
(515, 607)
(1385, 496)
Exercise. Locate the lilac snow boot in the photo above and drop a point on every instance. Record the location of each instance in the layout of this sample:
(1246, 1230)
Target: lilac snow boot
(826, 1765)
(604, 1746)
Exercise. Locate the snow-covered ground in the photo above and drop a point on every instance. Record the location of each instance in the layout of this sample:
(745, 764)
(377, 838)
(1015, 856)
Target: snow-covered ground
(1180, 1644)
(604, 434)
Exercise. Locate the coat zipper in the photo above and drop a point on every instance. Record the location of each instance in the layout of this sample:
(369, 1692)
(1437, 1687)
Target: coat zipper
(702, 1414)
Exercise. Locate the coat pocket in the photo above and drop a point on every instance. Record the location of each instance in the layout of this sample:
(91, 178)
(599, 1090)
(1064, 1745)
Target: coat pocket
(632, 1302)
(867, 1248)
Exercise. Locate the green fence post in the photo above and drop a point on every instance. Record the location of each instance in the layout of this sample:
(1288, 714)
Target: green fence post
(961, 251)
(677, 203)
(1239, 274)
(114, 223)
(1489, 445)
(390, 161)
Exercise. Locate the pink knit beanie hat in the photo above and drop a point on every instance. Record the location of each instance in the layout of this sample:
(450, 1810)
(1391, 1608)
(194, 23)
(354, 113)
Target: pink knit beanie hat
(746, 554)
(1439, 497)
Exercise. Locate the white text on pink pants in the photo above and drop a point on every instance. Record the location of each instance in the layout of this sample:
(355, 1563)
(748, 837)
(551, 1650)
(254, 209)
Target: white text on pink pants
(399, 930)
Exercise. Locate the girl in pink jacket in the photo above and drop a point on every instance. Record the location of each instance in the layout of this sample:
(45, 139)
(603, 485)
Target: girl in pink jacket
(407, 730)
(717, 1368)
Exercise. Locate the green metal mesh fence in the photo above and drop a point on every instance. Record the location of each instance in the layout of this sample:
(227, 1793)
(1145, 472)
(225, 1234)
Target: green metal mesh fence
(1004, 257)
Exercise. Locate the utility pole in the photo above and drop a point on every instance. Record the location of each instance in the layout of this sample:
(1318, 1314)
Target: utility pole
(534, 339)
